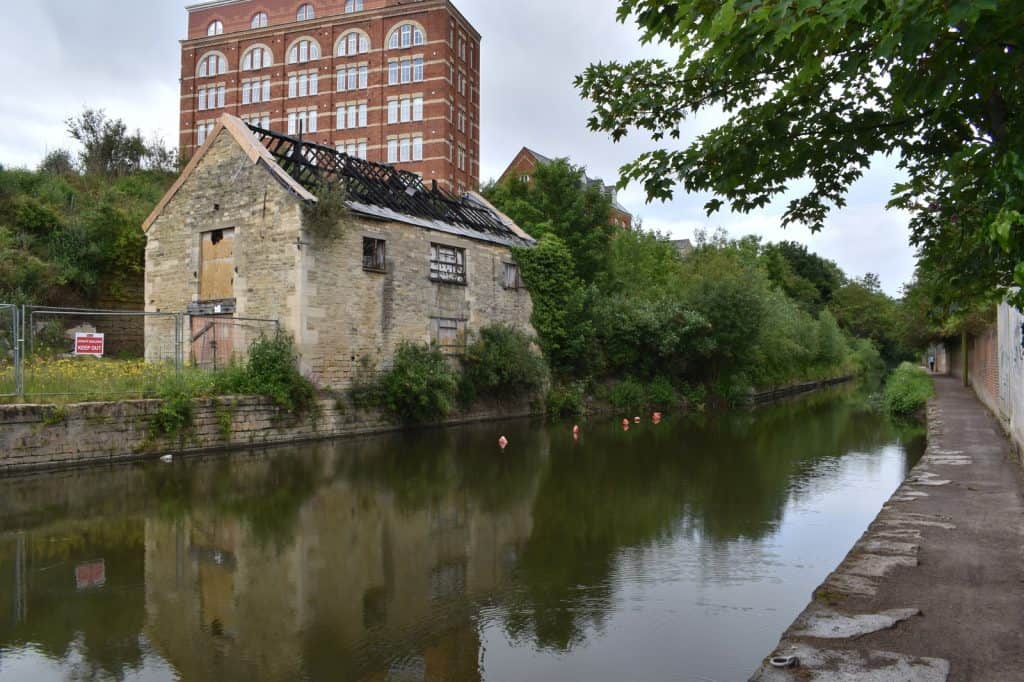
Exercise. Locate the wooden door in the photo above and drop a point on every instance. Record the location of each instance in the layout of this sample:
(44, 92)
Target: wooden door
(217, 265)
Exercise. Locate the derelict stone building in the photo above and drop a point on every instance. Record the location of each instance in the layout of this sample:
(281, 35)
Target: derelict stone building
(410, 263)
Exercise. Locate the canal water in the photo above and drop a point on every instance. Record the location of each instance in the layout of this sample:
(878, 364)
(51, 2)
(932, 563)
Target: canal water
(677, 551)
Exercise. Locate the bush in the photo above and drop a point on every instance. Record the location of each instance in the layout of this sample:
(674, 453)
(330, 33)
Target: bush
(502, 364)
(272, 371)
(421, 386)
(908, 390)
(566, 401)
(661, 394)
(628, 394)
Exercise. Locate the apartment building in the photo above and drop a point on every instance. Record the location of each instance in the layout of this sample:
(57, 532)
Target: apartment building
(390, 81)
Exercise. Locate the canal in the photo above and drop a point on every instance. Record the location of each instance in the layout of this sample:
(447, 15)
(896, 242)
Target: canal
(677, 551)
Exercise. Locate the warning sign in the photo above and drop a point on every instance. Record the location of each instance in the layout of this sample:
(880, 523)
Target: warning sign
(89, 344)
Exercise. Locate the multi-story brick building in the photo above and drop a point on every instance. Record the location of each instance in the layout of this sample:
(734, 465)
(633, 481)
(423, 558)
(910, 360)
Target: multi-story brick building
(391, 81)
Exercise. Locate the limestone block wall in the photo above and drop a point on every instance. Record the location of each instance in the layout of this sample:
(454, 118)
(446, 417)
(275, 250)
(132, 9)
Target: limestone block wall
(226, 191)
(45, 436)
(352, 314)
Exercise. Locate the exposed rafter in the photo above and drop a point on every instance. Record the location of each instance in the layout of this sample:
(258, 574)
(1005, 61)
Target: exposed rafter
(314, 165)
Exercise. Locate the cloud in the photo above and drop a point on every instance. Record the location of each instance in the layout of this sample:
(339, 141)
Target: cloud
(123, 56)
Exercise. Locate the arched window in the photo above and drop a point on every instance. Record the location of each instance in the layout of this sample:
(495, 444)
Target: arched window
(353, 5)
(406, 35)
(212, 64)
(256, 58)
(303, 50)
(260, 20)
(216, 28)
(353, 43)
(305, 13)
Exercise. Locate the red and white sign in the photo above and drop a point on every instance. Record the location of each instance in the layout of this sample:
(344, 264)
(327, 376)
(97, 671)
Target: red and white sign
(89, 344)
(91, 575)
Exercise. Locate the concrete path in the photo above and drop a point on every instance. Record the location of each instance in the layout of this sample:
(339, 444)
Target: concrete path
(935, 588)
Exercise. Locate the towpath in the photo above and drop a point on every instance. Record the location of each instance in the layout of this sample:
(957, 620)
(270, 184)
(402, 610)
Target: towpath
(935, 588)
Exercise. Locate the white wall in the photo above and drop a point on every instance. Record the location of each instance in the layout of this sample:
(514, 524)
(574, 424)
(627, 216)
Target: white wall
(1011, 370)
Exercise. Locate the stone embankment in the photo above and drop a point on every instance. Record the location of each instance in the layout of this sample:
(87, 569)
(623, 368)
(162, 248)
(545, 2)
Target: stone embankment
(36, 437)
(935, 588)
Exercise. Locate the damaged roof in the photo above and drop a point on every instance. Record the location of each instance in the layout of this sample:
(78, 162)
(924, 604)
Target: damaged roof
(384, 192)
(373, 190)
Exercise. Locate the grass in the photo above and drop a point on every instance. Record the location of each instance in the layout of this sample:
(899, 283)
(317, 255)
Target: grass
(907, 390)
(68, 380)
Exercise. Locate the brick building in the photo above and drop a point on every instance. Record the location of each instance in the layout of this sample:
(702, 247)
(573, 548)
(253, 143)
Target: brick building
(391, 81)
(230, 241)
(526, 162)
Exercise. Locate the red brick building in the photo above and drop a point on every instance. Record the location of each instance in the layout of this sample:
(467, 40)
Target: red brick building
(526, 163)
(392, 81)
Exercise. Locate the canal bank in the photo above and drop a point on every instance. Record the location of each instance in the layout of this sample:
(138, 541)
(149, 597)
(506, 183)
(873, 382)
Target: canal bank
(935, 588)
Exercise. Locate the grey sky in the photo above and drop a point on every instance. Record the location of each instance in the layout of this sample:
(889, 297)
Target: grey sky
(122, 56)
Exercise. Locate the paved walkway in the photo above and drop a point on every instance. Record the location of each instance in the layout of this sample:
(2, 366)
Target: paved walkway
(935, 588)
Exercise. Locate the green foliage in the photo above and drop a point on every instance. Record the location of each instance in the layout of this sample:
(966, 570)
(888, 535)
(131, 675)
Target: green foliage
(661, 394)
(908, 390)
(327, 217)
(421, 386)
(501, 363)
(271, 371)
(566, 400)
(628, 394)
(176, 413)
(558, 201)
(560, 302)
(815, 91)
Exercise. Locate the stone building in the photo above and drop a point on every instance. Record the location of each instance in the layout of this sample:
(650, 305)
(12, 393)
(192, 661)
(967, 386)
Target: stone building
(526, 162)
(231, 241)
(385, 80)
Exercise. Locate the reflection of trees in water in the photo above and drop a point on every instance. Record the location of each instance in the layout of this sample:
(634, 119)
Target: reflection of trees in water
(102, 626)
(726, 477)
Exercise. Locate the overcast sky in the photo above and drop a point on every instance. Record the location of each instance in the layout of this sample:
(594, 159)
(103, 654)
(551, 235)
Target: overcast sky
(123, 56)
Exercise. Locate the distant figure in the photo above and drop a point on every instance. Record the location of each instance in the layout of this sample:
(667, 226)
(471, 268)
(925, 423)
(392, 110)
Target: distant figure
(931, 363)
(656, 418)
(503, 443)
(625, 422)
(576, 432)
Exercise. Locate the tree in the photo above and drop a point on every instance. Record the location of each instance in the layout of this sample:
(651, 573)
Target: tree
(559, 201)
(814, 90)
(107, 148)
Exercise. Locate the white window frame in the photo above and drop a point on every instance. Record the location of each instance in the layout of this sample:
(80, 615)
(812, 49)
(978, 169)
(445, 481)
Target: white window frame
(417, 108)
(305, 13)
(353, 6)
(393, 150)
(216, 28)
(417, 148)
(259, 20)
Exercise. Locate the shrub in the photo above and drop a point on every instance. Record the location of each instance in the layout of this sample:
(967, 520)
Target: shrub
(908, 390)
(661, 394)
(421, 386)
(628, 394)
(272, 371)
(174, 418)
(502, 364)
(566, 401)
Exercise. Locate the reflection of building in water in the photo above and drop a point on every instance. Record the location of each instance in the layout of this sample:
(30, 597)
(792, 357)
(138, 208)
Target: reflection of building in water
(368, 589)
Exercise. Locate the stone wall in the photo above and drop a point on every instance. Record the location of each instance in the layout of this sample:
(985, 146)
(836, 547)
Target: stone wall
(45, 436)
(354, 316)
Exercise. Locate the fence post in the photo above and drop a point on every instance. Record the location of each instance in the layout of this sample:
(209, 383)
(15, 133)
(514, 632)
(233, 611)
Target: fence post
(179, 361)
(19, 352)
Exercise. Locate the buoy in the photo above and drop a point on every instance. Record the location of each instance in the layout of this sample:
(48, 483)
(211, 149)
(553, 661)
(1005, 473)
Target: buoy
(167, 459)
(503, 442)
(636, 420)
(785, 662)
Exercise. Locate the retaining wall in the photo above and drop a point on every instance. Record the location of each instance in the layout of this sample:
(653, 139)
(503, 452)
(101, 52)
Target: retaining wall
(44, 436)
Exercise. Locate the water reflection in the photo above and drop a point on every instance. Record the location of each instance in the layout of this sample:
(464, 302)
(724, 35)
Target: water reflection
(431, 556)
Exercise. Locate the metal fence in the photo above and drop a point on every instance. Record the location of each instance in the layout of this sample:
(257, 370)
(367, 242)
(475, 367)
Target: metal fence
(10, 361)
(50, 352)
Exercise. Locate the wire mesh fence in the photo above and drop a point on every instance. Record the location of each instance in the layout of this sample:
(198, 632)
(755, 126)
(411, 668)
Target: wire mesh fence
(66, 354)
(217, 341)
(9, 350)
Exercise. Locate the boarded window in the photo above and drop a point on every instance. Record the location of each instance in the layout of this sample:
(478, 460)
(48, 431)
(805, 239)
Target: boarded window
(217, 271)
(513, 280)
(449, 334)
(374, 255)
(447, 264)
